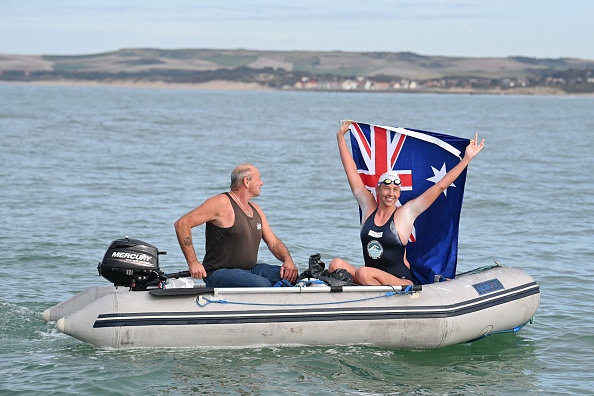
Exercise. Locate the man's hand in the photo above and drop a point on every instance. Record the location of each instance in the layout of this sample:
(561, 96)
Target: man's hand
(197, 270)
(289, 271)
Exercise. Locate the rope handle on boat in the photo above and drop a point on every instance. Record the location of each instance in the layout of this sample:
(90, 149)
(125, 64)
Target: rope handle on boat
(512, 330)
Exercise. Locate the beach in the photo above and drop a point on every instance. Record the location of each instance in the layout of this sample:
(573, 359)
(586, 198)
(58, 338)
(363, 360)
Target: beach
(223, 85)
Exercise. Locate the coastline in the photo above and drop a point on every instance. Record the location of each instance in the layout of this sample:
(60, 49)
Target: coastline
(211, 85)
(222, 85)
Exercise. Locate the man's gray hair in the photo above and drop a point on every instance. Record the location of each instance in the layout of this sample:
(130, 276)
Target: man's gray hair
(238, 174)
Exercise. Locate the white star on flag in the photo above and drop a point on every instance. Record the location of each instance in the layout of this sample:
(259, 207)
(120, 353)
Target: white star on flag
(438, 175)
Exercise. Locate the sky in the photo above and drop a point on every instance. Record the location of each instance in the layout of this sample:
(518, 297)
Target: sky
(467, 28)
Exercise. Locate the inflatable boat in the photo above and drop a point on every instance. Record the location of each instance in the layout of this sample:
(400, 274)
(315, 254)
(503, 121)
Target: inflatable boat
(147, 308)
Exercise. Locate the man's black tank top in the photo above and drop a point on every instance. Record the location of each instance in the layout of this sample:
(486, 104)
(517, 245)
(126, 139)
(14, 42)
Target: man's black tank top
(382, 248)
(236, 246)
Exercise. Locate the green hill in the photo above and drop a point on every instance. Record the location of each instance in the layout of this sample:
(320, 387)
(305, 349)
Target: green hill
(294, 69)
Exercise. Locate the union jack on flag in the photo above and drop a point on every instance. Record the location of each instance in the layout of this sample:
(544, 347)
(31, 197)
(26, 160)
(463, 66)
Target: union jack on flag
(421, 159)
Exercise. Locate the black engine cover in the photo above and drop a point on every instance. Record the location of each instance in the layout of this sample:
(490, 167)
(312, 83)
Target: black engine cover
(131, 263)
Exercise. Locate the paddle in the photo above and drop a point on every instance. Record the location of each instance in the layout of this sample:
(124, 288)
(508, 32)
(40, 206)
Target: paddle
(275, 290)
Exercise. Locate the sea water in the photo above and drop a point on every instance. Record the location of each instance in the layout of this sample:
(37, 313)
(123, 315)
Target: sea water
(83, 166)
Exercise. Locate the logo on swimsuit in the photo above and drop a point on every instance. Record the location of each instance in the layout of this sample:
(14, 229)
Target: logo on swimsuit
(258, 226)
(375, 249)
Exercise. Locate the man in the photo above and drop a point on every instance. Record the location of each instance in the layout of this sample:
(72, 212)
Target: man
(234, 228)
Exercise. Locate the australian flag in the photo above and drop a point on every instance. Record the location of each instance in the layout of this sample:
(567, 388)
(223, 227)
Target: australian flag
(421, 159)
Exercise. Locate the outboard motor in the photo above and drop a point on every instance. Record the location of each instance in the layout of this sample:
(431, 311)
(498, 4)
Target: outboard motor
(131, 263)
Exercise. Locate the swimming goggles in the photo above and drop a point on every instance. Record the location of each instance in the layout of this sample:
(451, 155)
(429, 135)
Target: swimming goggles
(389, 181)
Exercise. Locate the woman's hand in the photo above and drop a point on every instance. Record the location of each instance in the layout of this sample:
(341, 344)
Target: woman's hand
(473, 148)
(344, 128)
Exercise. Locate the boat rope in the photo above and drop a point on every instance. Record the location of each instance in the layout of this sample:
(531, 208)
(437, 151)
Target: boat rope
(481, 269)
(512, 330)
(204, 301)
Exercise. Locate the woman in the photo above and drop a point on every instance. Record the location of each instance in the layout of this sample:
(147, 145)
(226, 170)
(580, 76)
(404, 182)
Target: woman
(385, 228)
